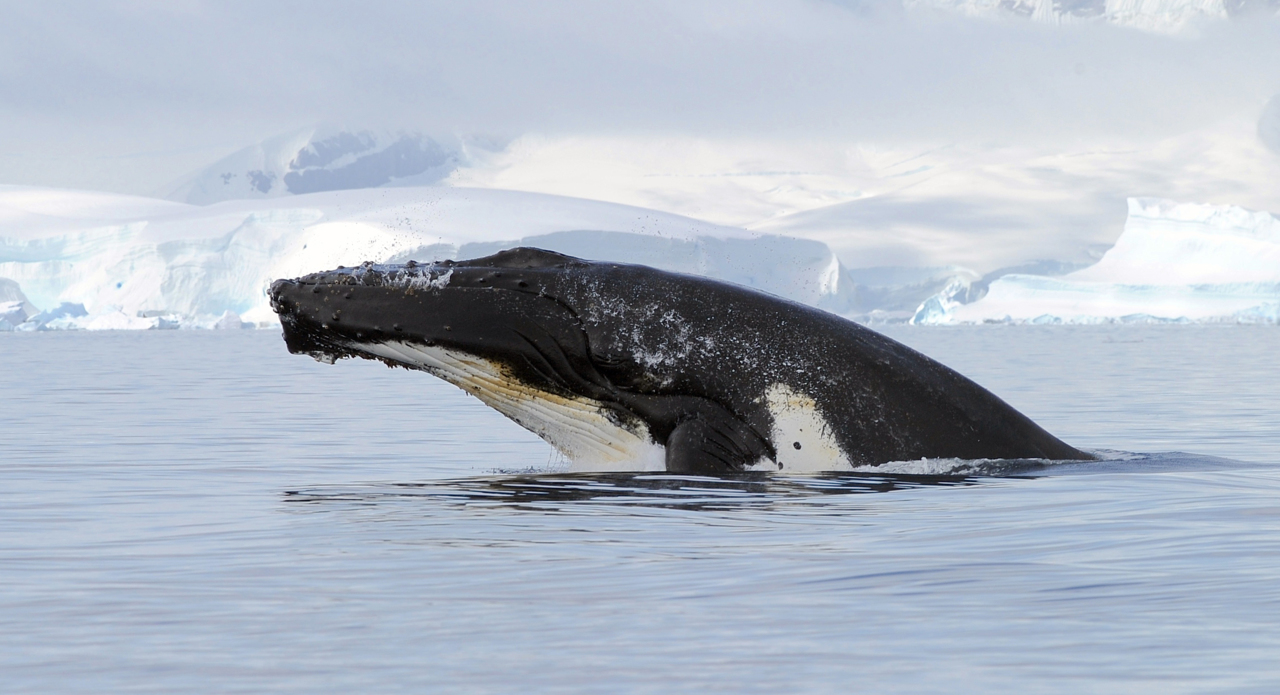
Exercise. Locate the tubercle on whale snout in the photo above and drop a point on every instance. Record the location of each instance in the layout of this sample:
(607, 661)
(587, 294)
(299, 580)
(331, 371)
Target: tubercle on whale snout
(372, 274)
(306, 331)
(275, 295)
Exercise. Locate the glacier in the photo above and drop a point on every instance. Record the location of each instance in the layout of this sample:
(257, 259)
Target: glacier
(119, 262)
(1174, 262)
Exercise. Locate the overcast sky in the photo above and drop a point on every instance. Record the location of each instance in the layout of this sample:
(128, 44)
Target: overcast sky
(127, 95)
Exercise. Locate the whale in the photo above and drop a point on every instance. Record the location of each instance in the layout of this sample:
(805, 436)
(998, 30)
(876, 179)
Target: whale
(627, 367)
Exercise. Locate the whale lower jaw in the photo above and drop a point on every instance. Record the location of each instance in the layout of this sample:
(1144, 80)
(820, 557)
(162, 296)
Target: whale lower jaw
(579, 428)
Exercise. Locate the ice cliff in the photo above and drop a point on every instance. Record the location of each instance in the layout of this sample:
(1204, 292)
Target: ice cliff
(97, 261)
(1173, 262)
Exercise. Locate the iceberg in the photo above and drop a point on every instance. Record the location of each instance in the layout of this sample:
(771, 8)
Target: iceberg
(892, 294)
(14, 307)
(136, 264)
(65, 315)
(230, 321)
(11, 315)
(1173, 262)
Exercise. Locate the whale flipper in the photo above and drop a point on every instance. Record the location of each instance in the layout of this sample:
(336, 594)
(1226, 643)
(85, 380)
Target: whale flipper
(695, 447)
(713, 441)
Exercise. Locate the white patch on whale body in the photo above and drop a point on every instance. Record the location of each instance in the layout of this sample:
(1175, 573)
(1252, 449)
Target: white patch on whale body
(576, 427)
(796, 420)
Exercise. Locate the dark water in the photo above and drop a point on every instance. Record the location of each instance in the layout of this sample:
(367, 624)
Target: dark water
(201, 512)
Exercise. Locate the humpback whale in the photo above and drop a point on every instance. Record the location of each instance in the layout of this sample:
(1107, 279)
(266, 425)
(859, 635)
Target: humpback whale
(622, 366)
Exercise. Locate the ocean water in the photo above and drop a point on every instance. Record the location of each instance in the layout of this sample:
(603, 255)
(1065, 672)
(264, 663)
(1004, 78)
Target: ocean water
(202, 512)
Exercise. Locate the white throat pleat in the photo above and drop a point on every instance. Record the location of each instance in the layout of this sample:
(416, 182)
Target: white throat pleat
(577, 427)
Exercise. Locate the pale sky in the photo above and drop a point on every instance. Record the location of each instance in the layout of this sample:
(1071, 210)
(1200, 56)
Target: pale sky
(128, 95)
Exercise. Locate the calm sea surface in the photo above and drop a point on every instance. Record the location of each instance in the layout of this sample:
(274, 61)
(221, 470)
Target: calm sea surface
(203, 512)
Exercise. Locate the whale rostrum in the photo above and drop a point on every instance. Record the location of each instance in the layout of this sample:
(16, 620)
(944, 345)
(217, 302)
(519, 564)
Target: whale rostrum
(625, 367)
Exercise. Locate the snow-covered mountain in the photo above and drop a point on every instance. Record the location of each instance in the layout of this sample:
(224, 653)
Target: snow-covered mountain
(318, 159)
(876, 205)
(159, 264)
(1174, 262)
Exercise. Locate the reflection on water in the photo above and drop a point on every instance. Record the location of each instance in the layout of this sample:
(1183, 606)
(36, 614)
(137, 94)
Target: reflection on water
(757, 490)
(552, 492)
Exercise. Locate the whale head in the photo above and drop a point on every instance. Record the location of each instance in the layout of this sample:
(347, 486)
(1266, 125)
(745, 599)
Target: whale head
(490, 307)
